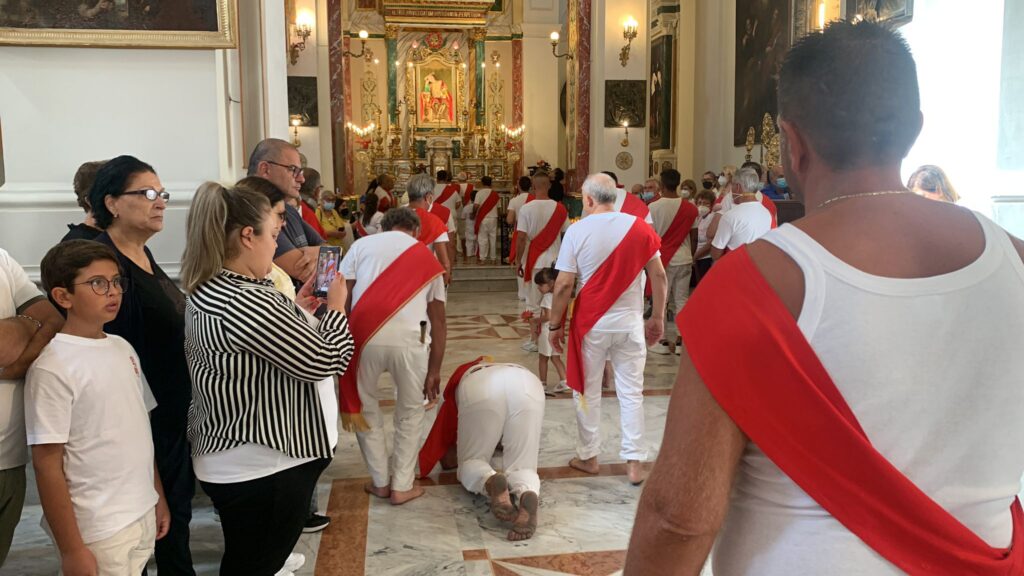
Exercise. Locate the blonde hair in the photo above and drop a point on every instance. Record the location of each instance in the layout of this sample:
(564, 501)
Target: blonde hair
(729, 171)
(933, 179)
(216, 214)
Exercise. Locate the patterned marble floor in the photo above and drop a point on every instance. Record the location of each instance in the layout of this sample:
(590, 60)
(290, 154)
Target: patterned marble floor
(584, 521)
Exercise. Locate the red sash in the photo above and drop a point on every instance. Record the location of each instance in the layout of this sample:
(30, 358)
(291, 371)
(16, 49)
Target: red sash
(772, 209)
(543, 240)
(783, 399)
(484, 210)
(383, 298)
(447, 193)
(387, 202)
(444, 434)
(604, 288)
(310, 217)
(515, 233)
(431, 227)
(361, 229)
(635, 206)
(442, 212)
(678, 231)
(467, 196)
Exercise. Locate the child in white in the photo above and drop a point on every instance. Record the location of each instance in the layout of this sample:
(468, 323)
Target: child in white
(545, 282)
(468, 215)
(87, 416)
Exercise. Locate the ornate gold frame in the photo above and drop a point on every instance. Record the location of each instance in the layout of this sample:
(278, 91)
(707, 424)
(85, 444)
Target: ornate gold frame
(225, 37)
(413, 91)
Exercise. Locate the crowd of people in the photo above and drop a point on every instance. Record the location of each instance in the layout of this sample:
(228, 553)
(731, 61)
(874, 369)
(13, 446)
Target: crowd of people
(823, 407)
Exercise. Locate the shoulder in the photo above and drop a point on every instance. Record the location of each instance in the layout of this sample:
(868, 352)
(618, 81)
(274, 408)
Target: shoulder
(782, 273)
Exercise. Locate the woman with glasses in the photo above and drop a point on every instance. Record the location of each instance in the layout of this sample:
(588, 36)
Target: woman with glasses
(129, 202)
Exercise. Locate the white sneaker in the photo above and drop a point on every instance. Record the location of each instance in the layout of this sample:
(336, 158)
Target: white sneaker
(293, 563)
(525, 345)
(531, 347)
(561, 387)
(659, 348)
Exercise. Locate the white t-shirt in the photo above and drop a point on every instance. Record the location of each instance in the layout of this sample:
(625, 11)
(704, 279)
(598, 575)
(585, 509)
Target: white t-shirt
(663, 212)
(16, 290)
(743, 224)
(620, 200)
(469, 219)
(90, 395)
(546, 300)
(517, 202)
(533, 217)
(702, 232)
(453, 203)
(374, 226)
(482, 195)
(587, 244)
(365, 262)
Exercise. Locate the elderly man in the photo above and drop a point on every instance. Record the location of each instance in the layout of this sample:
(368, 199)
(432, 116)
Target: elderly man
(396, 293)
(27, 324)
(652, 191)
(297, 246)
(487, 404)
(608, 251)
(748, 219)
(432, 231)
(540, 224)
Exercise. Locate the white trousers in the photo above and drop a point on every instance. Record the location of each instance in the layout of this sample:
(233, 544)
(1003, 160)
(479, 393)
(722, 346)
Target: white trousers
(486, 239)
(678, 293)
(126, 552)
(408, 367)
(522, 288)
(627, 352)
(505, 403)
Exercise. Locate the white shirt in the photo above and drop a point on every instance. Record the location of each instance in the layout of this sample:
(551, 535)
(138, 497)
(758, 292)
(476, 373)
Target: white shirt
(364, 263)
(546, 300)
(532, 218)
(382, 194)
(482, 195)
(453, 203)
(374, 226)
(620, 200)
(16, 290)
(743, 224)
(703, 222)
(517, 202)
(663, 212)
(587, 244)
(90, 395)
(467, 216)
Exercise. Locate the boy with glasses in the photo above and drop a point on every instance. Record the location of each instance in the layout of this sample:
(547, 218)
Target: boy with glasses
(87, 408)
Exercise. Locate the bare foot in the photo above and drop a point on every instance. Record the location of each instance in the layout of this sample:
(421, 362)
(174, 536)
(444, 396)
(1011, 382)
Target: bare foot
(635, 472)
(501, 503)
(383, 492)
(399, 497)
(589, 465)
(526, 521)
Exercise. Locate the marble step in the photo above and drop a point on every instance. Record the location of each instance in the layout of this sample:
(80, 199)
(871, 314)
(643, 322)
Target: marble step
(469, 272)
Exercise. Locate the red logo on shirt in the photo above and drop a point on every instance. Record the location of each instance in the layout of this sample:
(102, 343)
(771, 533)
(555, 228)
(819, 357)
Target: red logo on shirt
(134, 365)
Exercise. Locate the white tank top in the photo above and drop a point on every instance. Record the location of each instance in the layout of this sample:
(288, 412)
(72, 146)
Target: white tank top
(933, 368)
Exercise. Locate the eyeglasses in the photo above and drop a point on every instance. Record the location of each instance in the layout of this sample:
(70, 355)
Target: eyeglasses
(150, 194)
(296, 170)
(101, 286)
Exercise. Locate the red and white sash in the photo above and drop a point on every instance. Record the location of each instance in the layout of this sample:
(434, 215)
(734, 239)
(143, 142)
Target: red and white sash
(444, 434)
(431, 227)
(361, 229)
(489, 204)
(387, 202)
(783, 399)
(442, 212)
(383, 298)
(604, 288)
(677, 232)
(446, 194)
(540, 243)
(635, 207)
(769, 204)
(515, 233)
(467, 194)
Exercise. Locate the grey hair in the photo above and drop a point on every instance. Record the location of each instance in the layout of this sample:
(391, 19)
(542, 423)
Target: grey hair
(601, 188)
(269, 149)
(401, 219)
(748, 180)
(419, 186)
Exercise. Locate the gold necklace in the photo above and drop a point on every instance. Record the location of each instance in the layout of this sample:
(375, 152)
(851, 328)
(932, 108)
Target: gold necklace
(882, 193)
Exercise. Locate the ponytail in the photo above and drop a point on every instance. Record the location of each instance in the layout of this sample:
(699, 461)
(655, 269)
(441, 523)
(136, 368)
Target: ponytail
(215, 215)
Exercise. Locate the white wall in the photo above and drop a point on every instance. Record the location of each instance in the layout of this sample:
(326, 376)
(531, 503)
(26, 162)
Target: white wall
(307, 65)
(541, 84)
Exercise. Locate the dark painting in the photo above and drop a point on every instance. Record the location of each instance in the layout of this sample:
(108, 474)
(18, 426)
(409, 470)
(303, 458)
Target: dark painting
(893, 12)
(762, 39)
(661, 94)
(165, 15)
(625, 101)
(302, 99)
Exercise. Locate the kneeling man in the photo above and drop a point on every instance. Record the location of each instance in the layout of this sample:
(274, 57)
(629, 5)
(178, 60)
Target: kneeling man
(485, 404)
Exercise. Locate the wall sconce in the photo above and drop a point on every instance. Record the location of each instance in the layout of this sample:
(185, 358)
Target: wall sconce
(303, 28)
(629, 29)
(295, 120)
(554, 46)
(363, 35)
(625, 141)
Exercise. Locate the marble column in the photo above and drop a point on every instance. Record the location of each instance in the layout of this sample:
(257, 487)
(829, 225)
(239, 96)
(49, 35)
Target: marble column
(337, 44)
(479, 35)
(391, 41)
(579, 44)
(517, 98)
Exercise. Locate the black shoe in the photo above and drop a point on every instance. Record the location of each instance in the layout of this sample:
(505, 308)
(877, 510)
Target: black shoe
(316, 523)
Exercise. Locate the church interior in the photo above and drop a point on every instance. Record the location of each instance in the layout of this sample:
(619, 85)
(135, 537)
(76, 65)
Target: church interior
(495, 89)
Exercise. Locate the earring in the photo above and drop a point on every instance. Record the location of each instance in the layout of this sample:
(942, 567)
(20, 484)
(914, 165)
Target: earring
(116, 215)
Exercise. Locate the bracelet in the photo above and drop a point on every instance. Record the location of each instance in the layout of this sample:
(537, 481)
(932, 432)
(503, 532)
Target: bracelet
(554, 328)
(39, 325)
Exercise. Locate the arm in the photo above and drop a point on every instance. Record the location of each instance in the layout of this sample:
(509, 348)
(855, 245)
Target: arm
(297, 263)
(655, 326)
(52, 322)
(438, 342)
(48, 461)
(559, 303)
(163, 514)
(441, 250)
(685, 500)
(713, 227)
(510, 218)
(15, 334)
(693, 241)
(720, 242)
(520, 249)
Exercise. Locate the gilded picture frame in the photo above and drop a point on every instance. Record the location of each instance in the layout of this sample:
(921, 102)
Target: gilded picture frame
(193, 24)
(437, 90)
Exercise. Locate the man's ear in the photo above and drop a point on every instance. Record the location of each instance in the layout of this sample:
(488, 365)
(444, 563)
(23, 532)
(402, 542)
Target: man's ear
(797, 146)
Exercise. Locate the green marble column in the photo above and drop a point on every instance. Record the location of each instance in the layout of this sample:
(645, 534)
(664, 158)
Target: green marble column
(391, 41)
(480, 35)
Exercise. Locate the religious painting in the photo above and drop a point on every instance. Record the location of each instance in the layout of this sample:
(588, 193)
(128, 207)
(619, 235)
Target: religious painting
(437, 94)
(366, 5)
(660, 108)
(762, 39)
(302, 99)
(896, 13)
(625, 101)
(119, 23)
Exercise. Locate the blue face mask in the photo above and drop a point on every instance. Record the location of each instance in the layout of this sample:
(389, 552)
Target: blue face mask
(780, 182)
(328, 206)
(647, 196)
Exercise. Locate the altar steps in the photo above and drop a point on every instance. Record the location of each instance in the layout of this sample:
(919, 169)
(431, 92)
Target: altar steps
(473, 278)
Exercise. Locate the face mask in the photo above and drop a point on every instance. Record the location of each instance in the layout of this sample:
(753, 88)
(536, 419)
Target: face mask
(780, 182)
(707, 184)
(328, 206)
(310, 202)
(722, 180)
(647, 196)
(703, 210)
(687, 193)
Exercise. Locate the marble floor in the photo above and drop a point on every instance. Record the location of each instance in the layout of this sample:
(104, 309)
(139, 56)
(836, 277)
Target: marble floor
(584, 521)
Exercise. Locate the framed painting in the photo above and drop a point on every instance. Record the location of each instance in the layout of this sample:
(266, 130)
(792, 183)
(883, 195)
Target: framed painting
(762, 39)
(896, 13)
(437, 94)
(660, 107)
(366, 5)
(119, 23)
(625, 101)
(302, 99)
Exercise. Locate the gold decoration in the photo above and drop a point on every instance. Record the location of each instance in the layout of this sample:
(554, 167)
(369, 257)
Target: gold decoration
(750, 143)
(770, 153)
(391, 31)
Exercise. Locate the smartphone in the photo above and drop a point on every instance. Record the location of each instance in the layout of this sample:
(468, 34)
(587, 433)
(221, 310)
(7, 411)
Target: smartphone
(326, 269)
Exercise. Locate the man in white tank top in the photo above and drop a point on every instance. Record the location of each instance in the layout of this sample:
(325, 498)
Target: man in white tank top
(902, 316)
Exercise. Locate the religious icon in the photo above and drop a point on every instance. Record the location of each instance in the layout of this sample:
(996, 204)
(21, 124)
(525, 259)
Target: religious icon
(762, 39)
(436, 105)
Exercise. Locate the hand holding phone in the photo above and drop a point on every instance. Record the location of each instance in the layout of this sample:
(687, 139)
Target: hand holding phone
(327, 264)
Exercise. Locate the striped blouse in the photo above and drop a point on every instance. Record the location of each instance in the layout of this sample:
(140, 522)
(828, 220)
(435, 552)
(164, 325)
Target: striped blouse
(255, 362)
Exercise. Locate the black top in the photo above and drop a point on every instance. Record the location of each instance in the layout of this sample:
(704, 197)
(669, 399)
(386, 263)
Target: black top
(152, 320)
(557, 192)
(81, 232)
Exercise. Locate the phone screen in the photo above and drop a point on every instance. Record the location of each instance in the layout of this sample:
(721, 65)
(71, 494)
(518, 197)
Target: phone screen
(326, 269)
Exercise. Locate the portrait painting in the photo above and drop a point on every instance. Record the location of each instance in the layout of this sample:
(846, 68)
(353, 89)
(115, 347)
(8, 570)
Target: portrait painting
(762, 39)
(119, 23)
(436, 98)
(660, 107)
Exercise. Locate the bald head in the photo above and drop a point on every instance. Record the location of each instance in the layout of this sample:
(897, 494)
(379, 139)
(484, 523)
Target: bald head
(600, 188)
(270, 149)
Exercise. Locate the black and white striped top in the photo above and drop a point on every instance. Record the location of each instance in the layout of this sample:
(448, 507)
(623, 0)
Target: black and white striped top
(255, 362)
